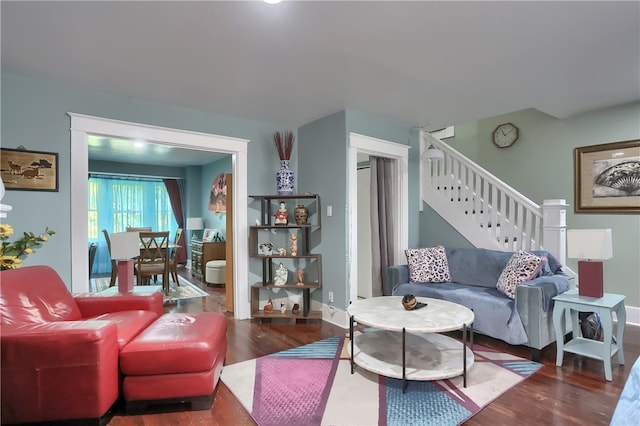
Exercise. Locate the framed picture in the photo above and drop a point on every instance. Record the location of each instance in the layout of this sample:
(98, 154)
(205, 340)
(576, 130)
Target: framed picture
(607, 178)
(218, 195)
(29, 170)
(207, 235)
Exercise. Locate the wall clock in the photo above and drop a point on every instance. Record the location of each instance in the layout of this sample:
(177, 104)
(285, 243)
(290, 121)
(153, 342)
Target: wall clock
(505, 135)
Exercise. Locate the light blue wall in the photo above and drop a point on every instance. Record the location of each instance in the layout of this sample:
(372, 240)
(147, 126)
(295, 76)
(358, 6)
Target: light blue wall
(540, 166)
(322, 158)
(434, 230)
(34, 114)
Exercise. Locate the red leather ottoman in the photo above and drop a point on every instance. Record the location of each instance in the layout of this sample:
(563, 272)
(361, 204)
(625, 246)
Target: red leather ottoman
(177, 359)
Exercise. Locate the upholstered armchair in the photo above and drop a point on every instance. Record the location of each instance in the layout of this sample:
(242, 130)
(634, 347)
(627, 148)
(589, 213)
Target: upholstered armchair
(59, 352)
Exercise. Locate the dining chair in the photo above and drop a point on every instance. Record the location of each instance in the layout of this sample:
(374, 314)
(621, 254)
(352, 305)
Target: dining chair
(173, 260)
(93, 247)
(154, 258)
(114, 264)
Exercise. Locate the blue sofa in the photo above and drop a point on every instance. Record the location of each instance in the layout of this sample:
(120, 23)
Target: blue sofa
(474, 272)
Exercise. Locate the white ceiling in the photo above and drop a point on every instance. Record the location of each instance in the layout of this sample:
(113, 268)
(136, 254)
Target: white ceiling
(422, 63)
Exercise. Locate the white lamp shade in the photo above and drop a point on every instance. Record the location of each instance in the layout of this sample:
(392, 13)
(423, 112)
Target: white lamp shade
(592, 244)
(194, 223)
(125, 245)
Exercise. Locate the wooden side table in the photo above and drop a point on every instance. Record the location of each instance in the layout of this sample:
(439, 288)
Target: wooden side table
(604, 306)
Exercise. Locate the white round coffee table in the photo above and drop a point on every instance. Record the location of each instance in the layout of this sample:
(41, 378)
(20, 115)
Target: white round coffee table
(406, 344)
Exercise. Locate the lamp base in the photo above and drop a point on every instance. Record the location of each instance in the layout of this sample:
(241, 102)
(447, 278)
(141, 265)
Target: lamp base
(125, 276)
(590, 279)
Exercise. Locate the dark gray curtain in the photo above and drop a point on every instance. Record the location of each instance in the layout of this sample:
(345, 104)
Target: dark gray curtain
(383, 217)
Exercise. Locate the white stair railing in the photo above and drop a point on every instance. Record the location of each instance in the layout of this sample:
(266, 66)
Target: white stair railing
(484, 209)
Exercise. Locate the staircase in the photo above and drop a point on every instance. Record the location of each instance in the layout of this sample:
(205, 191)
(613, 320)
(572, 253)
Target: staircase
(484, 209)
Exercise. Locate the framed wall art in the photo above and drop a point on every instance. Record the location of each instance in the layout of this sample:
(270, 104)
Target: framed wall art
(218, 196)
(607, 178)
(207, 236)
(29, 170)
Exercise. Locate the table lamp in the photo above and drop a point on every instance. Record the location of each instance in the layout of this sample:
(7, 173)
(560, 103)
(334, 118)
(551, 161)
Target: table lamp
(194, 224)
(590, 246)
(124, 246)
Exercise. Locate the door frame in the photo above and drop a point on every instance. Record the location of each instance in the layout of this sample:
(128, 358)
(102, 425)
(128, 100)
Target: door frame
(84, 125)
(382, 148)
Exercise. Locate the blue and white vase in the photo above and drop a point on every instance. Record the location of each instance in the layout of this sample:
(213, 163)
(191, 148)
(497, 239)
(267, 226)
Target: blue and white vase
(284, 179)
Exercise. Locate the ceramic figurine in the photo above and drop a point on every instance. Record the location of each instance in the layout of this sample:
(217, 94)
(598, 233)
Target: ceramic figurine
(281, 275)
(296, 309)
(283, 308)
(268, 308)
(282, 251)
(282, 215)
(266, 249)
(300, 214)
(300, 277)
(294, 244)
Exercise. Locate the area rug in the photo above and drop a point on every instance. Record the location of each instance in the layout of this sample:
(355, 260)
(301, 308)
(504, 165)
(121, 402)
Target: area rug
(313, 385)
(186, 290)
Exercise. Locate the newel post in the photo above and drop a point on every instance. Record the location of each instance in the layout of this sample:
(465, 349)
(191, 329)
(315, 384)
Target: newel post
(554, 228)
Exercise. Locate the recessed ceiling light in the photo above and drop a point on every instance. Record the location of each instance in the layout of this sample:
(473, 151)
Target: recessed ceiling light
(272, 1)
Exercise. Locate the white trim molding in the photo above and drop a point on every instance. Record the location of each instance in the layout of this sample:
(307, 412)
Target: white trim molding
(84, 125)
(400, 153)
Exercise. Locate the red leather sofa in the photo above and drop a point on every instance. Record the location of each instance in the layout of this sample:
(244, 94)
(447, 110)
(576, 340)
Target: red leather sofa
(61, 354)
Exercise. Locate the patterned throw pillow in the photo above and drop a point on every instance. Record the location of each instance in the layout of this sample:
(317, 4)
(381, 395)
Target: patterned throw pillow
(428, 265)
(522, 266)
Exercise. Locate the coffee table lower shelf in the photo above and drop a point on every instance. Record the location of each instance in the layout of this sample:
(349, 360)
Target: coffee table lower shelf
(428, 356)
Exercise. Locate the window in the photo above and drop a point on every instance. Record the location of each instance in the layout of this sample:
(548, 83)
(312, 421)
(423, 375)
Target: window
(116, 203)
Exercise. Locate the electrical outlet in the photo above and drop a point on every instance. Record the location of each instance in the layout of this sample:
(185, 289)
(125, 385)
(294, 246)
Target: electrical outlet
(330, 297)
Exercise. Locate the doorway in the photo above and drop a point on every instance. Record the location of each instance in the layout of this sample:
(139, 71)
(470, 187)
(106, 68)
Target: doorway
(359, 144)
(83, 125)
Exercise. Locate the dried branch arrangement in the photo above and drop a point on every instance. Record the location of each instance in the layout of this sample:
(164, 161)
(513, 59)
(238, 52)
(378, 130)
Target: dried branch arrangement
(284, 144)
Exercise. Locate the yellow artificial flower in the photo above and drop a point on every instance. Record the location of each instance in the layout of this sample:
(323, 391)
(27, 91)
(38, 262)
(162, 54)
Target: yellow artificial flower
(6, 229)
(10, 262)
(12, 253)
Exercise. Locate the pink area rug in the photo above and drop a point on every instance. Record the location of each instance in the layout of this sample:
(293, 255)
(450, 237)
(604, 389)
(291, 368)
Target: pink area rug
(313, 385)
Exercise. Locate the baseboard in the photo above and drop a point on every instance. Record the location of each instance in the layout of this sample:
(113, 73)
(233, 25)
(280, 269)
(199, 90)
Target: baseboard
(633, 315)
(335, 316)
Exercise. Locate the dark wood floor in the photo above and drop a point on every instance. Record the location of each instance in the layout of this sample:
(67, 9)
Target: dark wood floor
(575, 394)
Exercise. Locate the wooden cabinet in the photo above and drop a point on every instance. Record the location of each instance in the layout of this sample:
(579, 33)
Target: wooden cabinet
(201, 253)
(279, 238)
